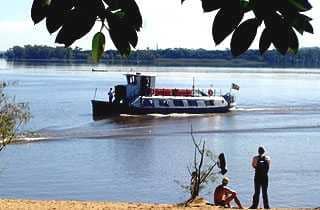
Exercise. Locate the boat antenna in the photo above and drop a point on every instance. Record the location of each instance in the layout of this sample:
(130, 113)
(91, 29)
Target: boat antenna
(95, 94)
(193, 87)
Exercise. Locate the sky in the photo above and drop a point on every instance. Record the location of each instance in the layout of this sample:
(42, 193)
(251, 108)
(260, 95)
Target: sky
(167, 24)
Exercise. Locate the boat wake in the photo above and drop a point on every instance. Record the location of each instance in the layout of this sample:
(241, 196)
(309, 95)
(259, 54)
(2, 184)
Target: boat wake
(172, 115)
(279, 109)
(25, 140)
(148, 132)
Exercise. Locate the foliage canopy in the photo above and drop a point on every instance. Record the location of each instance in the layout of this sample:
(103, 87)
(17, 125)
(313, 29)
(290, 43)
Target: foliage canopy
(281, 20)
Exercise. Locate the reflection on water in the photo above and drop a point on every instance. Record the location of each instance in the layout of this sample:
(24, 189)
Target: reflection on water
(137, 158)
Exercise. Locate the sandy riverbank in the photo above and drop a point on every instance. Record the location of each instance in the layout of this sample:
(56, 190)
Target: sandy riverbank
(84, 205)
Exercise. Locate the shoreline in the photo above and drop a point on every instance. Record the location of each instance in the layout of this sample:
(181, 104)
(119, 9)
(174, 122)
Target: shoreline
(107, 205)
(160, 62)
(192, 68)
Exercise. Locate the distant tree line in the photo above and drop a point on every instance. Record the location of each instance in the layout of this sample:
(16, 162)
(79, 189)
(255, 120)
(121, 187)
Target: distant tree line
(305, 58)
(44, 52)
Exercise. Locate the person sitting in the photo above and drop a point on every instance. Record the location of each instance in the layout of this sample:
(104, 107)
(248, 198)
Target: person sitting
(224, 195)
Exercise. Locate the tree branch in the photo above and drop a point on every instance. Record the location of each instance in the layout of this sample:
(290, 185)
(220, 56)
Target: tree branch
(206, 174)
(189, 170)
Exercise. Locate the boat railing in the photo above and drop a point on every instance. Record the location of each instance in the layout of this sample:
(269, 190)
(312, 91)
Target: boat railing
(102, 93)
(184, 92)
(171, 92)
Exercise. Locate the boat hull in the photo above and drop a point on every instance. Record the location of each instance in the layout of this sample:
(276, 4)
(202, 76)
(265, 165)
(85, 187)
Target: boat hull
(103, 109)
(198, 110)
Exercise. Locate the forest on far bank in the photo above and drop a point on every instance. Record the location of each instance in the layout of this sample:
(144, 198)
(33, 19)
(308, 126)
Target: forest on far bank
(305, 58)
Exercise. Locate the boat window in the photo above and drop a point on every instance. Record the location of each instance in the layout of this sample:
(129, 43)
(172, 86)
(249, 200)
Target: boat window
(209, 103)
(131, 79)
(178, 102)
(192, 103)
(147, 102)
(145, 81)
(163, 102)
(201, 103)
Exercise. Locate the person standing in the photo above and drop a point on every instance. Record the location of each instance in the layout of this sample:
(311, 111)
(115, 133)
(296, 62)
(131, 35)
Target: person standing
(261, 164)
(110, 94)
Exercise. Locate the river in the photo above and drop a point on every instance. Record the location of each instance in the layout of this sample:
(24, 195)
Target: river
(138, 158)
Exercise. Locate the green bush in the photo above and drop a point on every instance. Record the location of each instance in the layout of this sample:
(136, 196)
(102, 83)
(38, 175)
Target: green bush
(12, 116)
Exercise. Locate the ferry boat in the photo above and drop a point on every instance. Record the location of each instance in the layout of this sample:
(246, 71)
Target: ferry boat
(139, 96)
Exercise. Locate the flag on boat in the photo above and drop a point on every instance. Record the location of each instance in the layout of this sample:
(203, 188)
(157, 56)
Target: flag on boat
(235, 86)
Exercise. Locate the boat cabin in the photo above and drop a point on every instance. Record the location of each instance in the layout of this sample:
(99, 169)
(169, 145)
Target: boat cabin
(137, 85)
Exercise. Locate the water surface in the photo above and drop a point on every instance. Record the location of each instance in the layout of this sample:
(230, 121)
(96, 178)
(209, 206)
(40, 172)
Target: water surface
(137, 158)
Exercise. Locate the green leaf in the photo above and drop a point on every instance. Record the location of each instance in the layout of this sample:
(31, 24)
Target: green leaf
(265, 41)
(225, 23)
(39, 10)
(293, 41)
(301, 23)
(279, 30)
(130, 8)
(78, 23)
(211, 5)
(262, 9)
(124, 26)
(121, 44)
(94, 7)
(121, 32)
(57, 12)
(301, 5)
(243, 36)
(245, 6)
(98, 45)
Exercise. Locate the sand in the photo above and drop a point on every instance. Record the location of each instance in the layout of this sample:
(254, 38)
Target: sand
(6, 204)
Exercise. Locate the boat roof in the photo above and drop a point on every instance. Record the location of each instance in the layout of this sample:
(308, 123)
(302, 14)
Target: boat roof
(139, 74)
(184, 97)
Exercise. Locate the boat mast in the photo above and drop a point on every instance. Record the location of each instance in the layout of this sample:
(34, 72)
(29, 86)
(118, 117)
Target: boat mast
(193, 87)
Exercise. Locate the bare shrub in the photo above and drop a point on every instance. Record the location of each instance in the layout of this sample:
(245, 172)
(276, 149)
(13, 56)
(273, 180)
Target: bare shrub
(201, 170)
